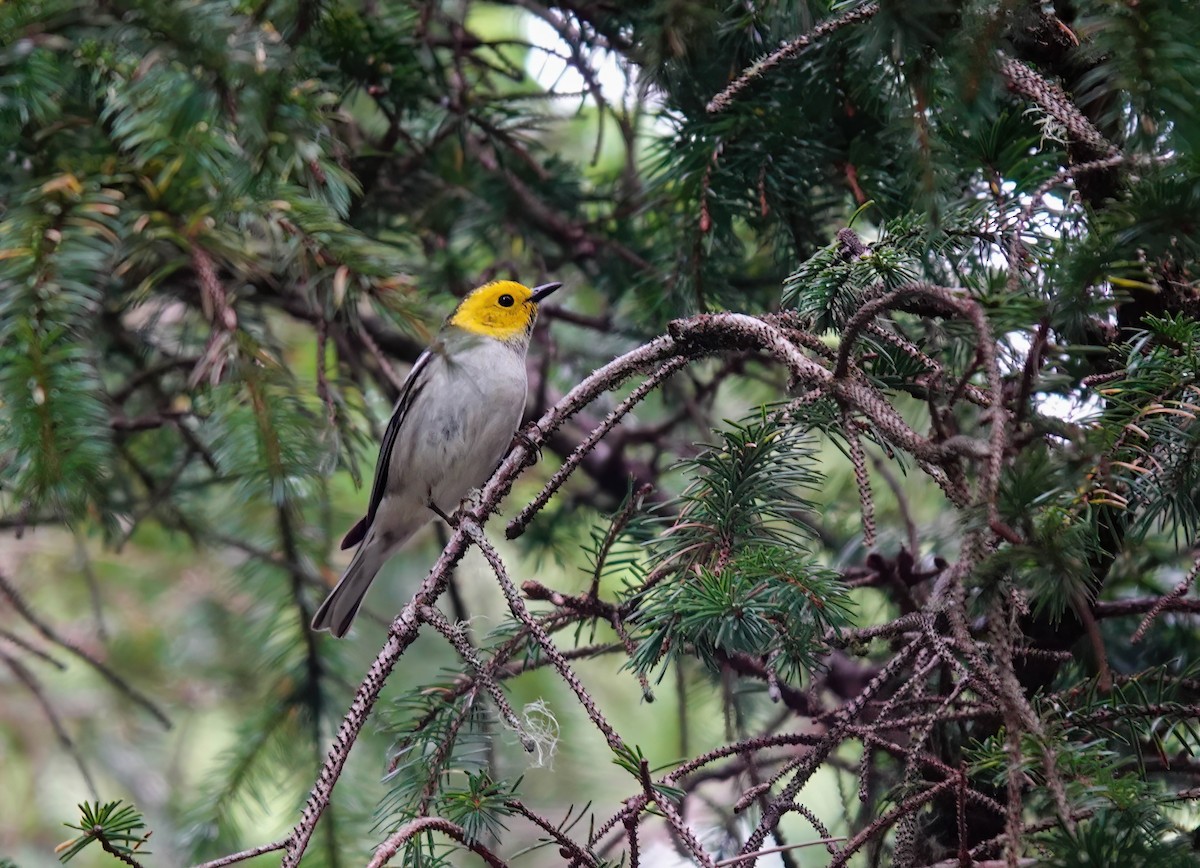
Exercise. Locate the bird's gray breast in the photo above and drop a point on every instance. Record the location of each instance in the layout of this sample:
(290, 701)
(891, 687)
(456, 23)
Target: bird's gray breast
(467, 418)
(449, 427)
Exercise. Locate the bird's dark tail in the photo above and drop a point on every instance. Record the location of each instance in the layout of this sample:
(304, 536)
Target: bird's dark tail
(337, 613)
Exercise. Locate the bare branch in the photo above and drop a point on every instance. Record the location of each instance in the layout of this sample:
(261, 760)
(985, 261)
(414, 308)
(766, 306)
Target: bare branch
(25, 611)
(34, 687)
(234, 858)
(721, 101)
(1051, 99)
(454, 635)
(517, 526)
(1174, 596)
(411, 829)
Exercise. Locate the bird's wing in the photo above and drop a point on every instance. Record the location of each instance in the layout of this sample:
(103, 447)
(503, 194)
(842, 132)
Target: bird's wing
(416, 382)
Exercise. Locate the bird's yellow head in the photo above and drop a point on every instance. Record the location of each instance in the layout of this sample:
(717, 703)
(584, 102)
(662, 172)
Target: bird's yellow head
(504, 310)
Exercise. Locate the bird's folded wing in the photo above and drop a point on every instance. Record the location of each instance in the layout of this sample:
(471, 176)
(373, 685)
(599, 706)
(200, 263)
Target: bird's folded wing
(416, 382)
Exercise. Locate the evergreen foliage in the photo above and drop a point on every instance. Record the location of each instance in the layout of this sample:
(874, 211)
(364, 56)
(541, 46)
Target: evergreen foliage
(113, 826)
(732, 571)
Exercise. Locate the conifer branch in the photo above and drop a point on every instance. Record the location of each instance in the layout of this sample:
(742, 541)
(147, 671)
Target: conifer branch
(234, 858)
(861, 478)
(1022, 79)
(219, 312)
(568, 846)
(228, 183)
(51, 635)
(1167, 600)
(413, 828)
(721, 101)
(905, 809)
(539, 634)
(406, 625)
(402, 634)
(518, 524)
(454, 635)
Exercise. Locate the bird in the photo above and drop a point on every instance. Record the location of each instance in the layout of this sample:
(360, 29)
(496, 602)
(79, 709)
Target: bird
(456, 416)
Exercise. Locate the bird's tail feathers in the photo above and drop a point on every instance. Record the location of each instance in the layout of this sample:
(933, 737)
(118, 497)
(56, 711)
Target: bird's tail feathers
(337, 613)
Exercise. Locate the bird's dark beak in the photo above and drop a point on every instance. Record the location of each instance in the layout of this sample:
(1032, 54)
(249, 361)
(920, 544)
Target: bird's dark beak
(540, 292)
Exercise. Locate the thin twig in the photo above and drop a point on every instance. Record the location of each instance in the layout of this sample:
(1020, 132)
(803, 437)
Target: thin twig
(673, 817)
(910, 524)
(517, 526)
(51, 635)
(411, 829)
(564, 842)
(539, 634)
(1166, 600)
(34, 686)
(905, 808)
(234, 858)
(108, 848)
(454, 635)
(385, 365)
(769, 850)
(30, 648)
(721, 101)
(613, 533)
(1140, 605)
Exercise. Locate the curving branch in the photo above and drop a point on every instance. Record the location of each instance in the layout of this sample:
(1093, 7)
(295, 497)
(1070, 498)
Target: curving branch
(234, 858)
(721, 101)
(411, 829)
(1049, 97)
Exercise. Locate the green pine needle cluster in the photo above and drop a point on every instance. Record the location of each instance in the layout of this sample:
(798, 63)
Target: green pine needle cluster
(116, 827)
(732, 570)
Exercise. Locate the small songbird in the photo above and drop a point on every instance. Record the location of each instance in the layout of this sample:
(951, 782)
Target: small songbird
(456, 416)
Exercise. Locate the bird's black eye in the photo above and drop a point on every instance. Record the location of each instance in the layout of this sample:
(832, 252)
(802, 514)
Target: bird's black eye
(506, 300)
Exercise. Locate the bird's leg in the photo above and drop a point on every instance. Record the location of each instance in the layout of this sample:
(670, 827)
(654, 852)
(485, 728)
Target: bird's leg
(468, 508)
(534, 450)
(440, 514)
